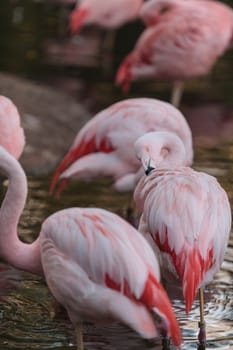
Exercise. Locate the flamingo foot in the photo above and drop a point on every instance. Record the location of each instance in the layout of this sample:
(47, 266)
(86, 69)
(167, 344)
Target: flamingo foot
(131, 216)
(166, 343)
(202, 336)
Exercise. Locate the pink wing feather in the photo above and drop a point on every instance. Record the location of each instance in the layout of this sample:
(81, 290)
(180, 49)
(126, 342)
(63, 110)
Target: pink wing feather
(116, 128)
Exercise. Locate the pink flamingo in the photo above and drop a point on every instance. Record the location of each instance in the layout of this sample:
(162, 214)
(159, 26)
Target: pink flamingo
(186, 216)
(11, 133)
(183, 40)
(109, 14)
(105, 145)
(96, 265)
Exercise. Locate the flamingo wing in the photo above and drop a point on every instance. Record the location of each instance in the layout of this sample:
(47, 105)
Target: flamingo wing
(84, 299)
(90, 139)
(110, 253)
(184, 42)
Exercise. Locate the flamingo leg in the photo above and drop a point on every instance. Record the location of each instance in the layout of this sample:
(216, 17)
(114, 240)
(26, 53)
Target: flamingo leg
(202, 328)
(177, 91)
(79, 336)
(166, 343)
(131, 214)
(107, 52)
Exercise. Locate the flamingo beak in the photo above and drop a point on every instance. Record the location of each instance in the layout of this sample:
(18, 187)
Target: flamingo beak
(77, 19)
(147, 166)
(123, 76)
(149, 170)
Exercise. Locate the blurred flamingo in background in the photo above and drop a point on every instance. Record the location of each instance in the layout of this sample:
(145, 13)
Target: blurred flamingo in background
(109, 14)
(96, 265)
(186, 216)
(105, 145)
(183, 40)
(11, 133)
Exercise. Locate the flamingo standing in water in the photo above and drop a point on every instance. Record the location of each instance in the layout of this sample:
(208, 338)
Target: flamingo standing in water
(186, 215)
(109, 14)
(183, 40)
(11, 133)
(96, 265)
(105, 145)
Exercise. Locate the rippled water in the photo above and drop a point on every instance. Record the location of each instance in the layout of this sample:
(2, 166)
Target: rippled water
(29, 317)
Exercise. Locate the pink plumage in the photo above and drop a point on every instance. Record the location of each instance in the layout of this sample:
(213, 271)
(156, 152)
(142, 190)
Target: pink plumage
(11, 133)
(105, 145)
(97, 265)
(108, 14)
(186, 213)
(183, 40)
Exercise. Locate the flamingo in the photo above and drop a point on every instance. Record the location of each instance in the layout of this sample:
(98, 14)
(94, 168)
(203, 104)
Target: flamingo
(183, 40)
(96, 265)
(105, 145)
(11, 133)
(185, 214)
(109, 14)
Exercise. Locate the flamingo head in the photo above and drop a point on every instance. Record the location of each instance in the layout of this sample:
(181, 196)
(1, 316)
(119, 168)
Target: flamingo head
(124, 74)
(77, 19)
(156, 299)
(159, 149)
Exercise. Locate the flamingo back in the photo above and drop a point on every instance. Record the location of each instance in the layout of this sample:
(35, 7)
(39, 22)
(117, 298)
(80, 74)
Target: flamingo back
(11, 133)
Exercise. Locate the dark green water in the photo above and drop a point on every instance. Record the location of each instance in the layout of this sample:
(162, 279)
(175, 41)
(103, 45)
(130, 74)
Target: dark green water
(26, 307)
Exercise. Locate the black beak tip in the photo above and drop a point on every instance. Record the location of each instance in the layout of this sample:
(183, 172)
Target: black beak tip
(149, 170)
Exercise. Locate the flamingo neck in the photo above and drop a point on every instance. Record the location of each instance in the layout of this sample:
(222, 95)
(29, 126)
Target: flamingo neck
(20, 255)
(173, 153)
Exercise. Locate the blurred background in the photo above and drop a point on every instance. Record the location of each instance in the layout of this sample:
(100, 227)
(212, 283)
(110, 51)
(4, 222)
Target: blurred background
(35, 44)
(58, 82)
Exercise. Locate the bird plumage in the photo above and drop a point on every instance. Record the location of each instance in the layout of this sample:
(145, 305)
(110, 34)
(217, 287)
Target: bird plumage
(105, 145)
(11, 133)
(109, 14)
(183, 40)
(93, 261)
(188, 216)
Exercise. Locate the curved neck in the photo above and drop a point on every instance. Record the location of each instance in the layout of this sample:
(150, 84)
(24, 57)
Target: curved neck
(173, 152)
(20, 255)
(160, 150)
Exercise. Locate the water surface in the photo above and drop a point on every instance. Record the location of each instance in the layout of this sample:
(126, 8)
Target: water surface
(29, 317)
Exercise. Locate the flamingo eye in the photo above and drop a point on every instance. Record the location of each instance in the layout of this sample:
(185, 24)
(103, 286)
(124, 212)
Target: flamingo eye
(164, 9)
(164, 152)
